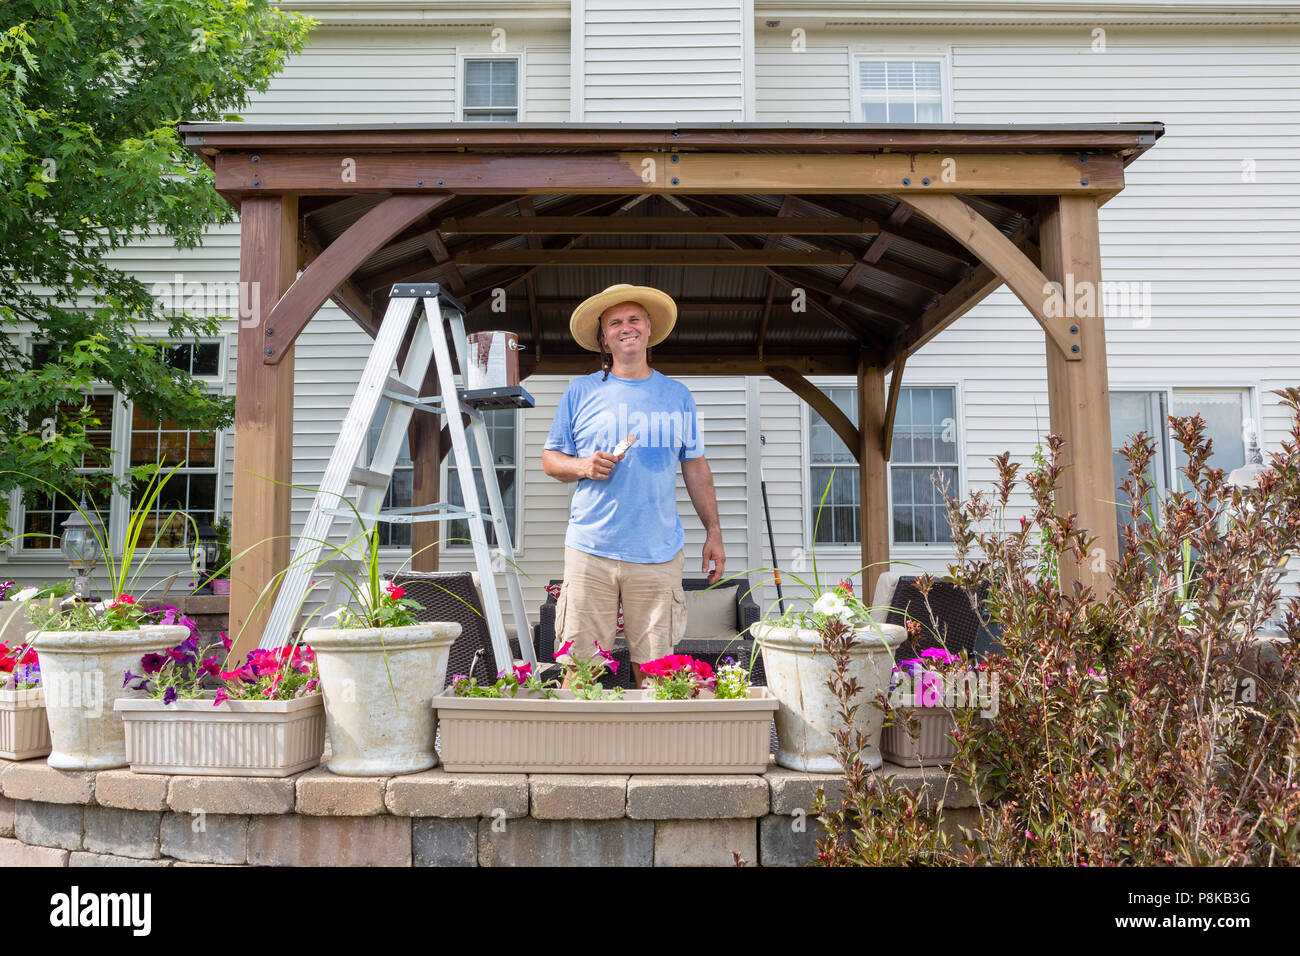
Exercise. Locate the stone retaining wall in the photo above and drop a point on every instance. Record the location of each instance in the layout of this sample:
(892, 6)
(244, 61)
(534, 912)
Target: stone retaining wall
(51, 817)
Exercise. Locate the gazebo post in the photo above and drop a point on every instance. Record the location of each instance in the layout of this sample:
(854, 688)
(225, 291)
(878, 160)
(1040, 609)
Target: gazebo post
(259, 535)
(873, 474)
(1077, 390)
(424, 437)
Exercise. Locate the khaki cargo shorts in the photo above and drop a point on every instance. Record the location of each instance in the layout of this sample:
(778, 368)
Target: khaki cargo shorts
(654, 606)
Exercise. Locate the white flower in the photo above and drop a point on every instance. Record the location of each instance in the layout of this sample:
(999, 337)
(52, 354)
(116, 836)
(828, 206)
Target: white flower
(334, 614)
(68, 601)
(26, 594)
(830, 604)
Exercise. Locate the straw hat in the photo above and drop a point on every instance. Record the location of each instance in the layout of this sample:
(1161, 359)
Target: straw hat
(659, 306)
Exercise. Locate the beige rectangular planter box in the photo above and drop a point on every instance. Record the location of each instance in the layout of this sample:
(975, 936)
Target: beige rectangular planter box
(635, 735)
(932, 747)
(239, 738)
(24, 731)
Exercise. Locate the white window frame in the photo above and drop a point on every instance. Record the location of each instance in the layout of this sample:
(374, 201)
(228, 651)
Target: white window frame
(119, 510)
(520, 98)
(942, 57)
(907, 549)
(1170, 446)
(445, 477)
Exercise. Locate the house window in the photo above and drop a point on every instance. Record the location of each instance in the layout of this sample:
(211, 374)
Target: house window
(1226, 411)
(143, 440)
(491, 91)
(924, 446)
(45, 512)
(901, 90)
(503, 437)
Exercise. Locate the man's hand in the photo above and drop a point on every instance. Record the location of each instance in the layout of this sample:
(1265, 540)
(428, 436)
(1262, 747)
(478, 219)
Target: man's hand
(568, 468)
(713, 552)
(599, 464)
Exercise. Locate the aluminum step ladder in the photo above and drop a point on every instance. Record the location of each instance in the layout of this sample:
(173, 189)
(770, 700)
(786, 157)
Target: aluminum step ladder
(435, 313)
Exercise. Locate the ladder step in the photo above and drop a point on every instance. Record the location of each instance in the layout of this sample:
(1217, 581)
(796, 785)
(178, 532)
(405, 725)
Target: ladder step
(439, 511)
(369, 479)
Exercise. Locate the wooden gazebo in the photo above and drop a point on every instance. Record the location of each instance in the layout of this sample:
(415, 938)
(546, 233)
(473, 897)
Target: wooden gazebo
(791, 251)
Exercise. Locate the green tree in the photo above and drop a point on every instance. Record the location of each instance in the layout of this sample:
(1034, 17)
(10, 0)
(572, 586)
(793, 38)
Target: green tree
(90, 160)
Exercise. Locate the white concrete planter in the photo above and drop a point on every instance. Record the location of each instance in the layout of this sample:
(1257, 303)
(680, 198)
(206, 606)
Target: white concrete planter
(798, 668)
(24, 731)
(931, 747)
(81, 674)
(236, 738)
(635, 735)
(379, 688)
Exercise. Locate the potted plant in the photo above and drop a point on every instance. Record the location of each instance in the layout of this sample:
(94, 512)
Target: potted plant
(82, 644)
(687, 719)
(264, 718)
(24, 731)
(923, 694)
(799, 666)
(379, 672)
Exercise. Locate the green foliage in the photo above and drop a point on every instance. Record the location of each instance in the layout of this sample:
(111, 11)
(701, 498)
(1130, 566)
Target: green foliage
(90, 160)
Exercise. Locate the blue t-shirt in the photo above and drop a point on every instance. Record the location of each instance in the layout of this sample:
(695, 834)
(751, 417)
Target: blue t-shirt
(632, 514)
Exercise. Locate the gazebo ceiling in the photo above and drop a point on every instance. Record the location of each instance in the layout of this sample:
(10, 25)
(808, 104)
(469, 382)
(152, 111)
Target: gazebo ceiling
(807, 275)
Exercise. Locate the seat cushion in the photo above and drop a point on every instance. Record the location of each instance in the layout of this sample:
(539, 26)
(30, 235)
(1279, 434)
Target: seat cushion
(711, 613)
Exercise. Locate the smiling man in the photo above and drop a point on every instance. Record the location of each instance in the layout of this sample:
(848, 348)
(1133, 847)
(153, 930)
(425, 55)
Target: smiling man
(625, 537)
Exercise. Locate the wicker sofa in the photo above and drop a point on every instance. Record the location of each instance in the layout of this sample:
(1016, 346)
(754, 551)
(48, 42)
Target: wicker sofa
(738, 644)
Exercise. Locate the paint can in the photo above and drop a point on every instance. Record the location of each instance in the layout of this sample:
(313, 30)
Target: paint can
(493, 360)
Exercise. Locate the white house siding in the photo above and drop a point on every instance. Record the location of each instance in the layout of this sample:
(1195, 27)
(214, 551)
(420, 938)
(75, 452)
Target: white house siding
(1221, 253)
(667, 61)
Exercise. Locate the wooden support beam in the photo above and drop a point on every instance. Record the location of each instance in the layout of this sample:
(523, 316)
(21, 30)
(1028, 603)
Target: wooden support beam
(347, 296)
(999, 253)
(655, 257)
(662, 226)
(336, 264)
(699, 361)
(528, 212)
(910, 233)
(444, 261)
(693, 172)
(1079, 392)
(821, 403)
(874, 251)
(873, 475)
(423, 436)
(263, 469)
(891, 407)
(787, 207)
(422, 270)
(959, 300)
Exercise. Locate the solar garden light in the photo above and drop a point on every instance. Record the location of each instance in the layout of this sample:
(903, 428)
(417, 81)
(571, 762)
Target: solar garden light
(80, 545)
(204, 553)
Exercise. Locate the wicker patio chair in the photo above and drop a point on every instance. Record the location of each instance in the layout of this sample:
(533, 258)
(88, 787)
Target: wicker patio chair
(452, 596)
(954, 625)
(710, 650)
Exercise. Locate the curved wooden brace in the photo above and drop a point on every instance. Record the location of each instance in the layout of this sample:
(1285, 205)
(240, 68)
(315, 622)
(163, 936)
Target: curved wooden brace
(335, 265)
(1001, 255)
(821, 403)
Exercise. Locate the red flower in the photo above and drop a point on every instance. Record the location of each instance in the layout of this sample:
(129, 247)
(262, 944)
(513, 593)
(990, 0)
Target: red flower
(122, 599)
(396, 592)
(847, 585)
